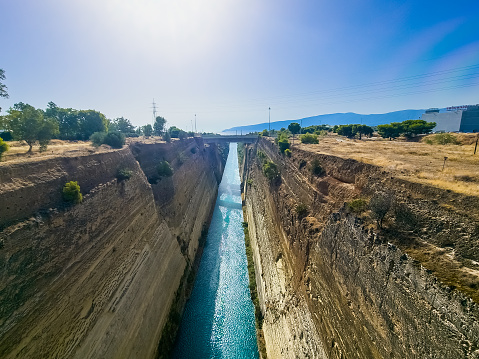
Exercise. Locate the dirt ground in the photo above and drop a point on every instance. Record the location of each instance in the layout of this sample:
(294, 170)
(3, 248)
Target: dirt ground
(415, 161)
(18, 151)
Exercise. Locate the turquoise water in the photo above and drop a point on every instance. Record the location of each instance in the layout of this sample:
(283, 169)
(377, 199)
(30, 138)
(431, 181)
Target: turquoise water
(218, 321)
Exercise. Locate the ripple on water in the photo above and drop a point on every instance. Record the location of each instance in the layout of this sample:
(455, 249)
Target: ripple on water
(219, 317)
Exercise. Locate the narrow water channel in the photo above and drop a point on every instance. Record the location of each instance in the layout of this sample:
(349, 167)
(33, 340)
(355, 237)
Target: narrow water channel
(219, 317)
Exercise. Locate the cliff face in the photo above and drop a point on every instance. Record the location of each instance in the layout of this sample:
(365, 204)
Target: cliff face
(332, 287)
(97, 280)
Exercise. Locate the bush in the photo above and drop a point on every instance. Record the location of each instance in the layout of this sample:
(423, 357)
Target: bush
(114, 139)
(3, 147)
(164, 169)
(167, 137)
(261, 155)
(316, 168)
(271, 171)
(404, 216)
(283, 144)
(287, 152)
(302, 163)
(123, 174)
(309, 138)
(358, 205)
(442, 139)
(193, 150)
(380, 204)
(71, 192)
(301, 210)
(97, 138)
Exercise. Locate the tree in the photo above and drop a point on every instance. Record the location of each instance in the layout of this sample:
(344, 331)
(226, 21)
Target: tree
(167, 136)
(265, 133)
(91, 121)
(28, 124)
(182, 135)
(345, 130)
(380, 204)
(412, 128)
(68, 121)
(362, 130)
(159, 126)
(122, 125)
(3, 88)
(147, 130)
(294, 128)
(3, 147)
(271, 171)
(392, 130)
(174, 131)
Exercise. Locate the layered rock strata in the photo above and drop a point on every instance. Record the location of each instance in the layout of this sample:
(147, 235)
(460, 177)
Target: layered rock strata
(97, 279)
(331, 286)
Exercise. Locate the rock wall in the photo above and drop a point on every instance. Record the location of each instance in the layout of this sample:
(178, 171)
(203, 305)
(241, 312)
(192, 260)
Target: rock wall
(332, 287)
(97, 280)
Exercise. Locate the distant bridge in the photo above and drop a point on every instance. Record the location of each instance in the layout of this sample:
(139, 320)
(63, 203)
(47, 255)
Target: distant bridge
(232, 138)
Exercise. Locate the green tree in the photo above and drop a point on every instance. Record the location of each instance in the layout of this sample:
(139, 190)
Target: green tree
(271, 171)
(174, 131)
(91, 121)
(98, 138)
(68, 121)
(28, 124)
(182, 135)
(122, 125)
(167, 136)
(147, 130)
(392, 130)
(159, 126)
(3, 88)
(294, 128)
(3, 147)
(345, 130)
(265, 133)
(362, 130)
(413, 128)
(283, 142)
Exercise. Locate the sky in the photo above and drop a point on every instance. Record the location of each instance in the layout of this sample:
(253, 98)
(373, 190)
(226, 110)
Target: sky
(229, 61)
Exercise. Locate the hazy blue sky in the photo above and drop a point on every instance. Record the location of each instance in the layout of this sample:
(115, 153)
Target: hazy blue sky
(229, 60)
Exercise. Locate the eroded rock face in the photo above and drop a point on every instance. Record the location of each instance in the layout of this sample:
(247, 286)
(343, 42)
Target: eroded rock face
(329, 286)
(97, 280)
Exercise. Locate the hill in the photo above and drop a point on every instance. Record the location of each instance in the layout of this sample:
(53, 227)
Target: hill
(335, 119)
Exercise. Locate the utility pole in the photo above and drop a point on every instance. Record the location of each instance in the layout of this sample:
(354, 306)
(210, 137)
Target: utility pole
(269, 119)
(154, 111)
(195, 122)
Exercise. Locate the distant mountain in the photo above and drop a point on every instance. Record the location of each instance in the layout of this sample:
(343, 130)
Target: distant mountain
(334, 119)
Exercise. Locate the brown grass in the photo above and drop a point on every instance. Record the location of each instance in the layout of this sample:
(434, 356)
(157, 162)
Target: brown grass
(415, 161)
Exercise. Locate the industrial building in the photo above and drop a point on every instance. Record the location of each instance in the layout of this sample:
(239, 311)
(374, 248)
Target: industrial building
(455, 119)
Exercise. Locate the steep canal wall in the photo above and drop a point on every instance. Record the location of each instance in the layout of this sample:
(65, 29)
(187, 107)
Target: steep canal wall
(98, 279)
(330, 284)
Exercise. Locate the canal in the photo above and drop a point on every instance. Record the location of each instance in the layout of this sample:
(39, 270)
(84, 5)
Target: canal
(218, 321)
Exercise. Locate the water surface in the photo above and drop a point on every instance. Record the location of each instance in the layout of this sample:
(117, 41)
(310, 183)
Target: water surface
(219, 317)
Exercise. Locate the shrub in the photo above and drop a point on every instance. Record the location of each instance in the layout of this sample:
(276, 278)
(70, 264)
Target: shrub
(287, 152)
(261, 155)
(283, 144)
(358, 205)
(164, 169)
(123, 174)
(249, 182)
(114, 139)
(264, 133)
(442, 139)
(302, 163)
(167, 137)
(182, 158)
(380, 204)
(316, 168)
(404, 216)
(71, 192)
(301, 210)
(271, 171)
(97, 138)
(3, 147)
(309, 138)
(193, 150)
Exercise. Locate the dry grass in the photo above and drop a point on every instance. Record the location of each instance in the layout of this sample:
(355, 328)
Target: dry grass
(18, 151)
(415, 161)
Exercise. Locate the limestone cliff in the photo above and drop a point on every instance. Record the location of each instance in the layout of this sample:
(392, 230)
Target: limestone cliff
(332, 286)
(97, 280)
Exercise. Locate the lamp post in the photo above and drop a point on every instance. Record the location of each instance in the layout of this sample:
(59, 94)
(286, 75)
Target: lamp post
(269, 119)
